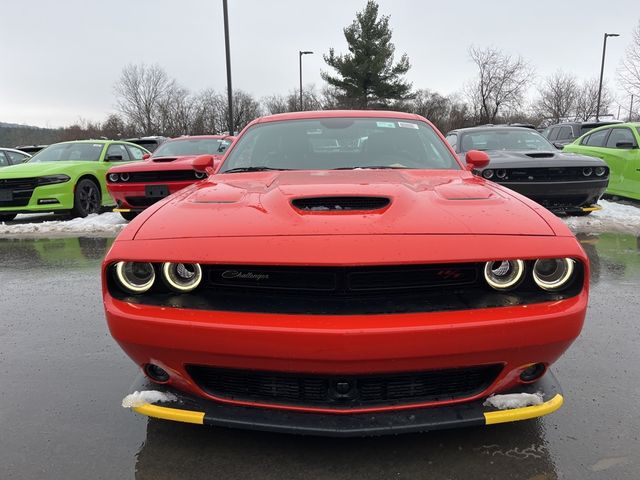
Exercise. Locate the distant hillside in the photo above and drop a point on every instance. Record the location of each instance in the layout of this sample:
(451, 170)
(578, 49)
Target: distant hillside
(12, 134)
(15, 125)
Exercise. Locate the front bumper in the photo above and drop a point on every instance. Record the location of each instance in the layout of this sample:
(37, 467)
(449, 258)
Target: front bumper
(131, 196)
(192, 409)
(563, 197)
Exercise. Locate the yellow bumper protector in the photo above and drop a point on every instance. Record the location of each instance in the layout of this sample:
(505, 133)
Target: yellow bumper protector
(125, 210)
(524, 413)
(175, 414)
(592, 208)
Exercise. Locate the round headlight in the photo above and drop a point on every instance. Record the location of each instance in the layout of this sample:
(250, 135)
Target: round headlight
(553, 273)
(124, 177)
(501, 173)
(587, 171)
(504, 274)
(135, 277)
(600, 171)
(113, 177)
(488, 173)
(199, 175)
(181, 277)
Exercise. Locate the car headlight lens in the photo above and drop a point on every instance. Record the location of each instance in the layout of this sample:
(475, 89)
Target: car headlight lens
(502, 173)
(553, 273)
(587, 171)
(488, 173)
(113, 177)
(51, 179)
(182, 277)
(124, 177)
(504, 274)
(600, 171)
(135, 277)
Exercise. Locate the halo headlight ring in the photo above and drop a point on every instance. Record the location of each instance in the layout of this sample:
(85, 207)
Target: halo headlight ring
(514, 271)
(557, 279)
(181, 277)
(124, 271)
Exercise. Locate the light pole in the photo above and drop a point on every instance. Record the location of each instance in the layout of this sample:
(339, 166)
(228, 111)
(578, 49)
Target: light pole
(604, 51)
(300, 54)
(225, 13)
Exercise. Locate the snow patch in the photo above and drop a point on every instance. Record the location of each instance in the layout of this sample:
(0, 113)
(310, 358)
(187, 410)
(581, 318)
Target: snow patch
(106, 223)
(513, 400)
(137, 399)
(614, 217)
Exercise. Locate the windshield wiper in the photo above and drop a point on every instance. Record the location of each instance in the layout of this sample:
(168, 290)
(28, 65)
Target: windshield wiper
(371, 167)
(254, 169)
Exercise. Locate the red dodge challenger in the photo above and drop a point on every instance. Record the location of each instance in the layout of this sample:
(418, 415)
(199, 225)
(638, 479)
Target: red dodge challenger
(343, 273)
(135, 186)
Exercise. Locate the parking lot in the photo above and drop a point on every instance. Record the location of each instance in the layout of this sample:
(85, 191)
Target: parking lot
(64, 378)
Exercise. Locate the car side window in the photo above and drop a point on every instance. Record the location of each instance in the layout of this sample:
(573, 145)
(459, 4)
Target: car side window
(565, 133)
(117, 153)
(452, 138)
(553, 133)
(620, 135)
(136, 153)
(596, 139)
(16, 157)
(4, 162)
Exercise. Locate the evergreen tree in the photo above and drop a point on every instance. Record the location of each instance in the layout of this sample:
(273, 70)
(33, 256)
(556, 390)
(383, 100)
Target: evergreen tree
(366, 76)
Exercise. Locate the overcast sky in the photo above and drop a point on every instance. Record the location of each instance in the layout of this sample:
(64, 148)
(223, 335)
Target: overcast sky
(61, 58)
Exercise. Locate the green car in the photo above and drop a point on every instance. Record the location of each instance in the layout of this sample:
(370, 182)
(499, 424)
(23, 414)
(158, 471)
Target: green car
(618, 146)
(66, 177)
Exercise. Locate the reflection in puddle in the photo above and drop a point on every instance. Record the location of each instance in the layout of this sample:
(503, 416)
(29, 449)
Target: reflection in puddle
(613, 256)
(53, 252)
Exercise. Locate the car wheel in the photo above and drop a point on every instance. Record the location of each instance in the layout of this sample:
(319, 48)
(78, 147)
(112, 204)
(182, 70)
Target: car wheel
(86, 199)
(128, 216)
(7, 217)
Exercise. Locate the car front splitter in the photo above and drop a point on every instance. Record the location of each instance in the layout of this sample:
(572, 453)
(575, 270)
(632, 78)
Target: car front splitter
(191, 409)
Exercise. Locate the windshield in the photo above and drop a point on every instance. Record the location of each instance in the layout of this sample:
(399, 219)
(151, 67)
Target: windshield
(88, 152)
(191, 146)
(340, 143)
(504, 140)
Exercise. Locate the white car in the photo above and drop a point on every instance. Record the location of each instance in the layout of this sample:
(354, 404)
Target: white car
(11, 156)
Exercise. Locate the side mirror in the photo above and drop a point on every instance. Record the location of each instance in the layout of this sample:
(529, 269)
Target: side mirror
(559, 146)
(476, 159)
(203, 163)
(146, 156)
(114, 158)
(626, 145)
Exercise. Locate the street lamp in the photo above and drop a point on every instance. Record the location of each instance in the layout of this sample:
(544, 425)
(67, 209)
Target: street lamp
(604, 50)
(300, 54)
(225, 13)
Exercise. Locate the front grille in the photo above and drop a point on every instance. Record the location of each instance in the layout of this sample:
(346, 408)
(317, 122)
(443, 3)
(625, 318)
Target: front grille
(343, 391)
(142, 201)
(549, 174)
(163, 176)
(340, 203)
(21, 190)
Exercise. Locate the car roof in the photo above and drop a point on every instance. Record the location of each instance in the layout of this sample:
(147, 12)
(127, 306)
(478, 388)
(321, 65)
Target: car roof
(310, 115)
(610, 125)
(199, 137)
(487, 128)
(17, 150)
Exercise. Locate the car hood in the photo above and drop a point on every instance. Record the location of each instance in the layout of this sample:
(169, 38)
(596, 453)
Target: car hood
(421, 203)
(540, 159)
(158, 164)
(38, 169)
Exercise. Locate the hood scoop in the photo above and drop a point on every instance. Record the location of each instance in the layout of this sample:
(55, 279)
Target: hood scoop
(540, 155)
(164, 159)
(347, 203)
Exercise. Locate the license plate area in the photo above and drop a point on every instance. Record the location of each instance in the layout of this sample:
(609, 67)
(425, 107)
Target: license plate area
(6, 195)
(156, 191)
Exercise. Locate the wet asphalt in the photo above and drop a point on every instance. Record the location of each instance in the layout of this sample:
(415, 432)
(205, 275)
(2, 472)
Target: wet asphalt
(62, 379)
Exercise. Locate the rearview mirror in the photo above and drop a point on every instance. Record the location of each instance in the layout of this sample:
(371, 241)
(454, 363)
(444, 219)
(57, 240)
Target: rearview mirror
(626, 145)
(476, 159)
(203, 163)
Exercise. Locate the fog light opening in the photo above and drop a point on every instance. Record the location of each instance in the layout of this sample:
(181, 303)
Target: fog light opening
(156, 373)
(533, 372)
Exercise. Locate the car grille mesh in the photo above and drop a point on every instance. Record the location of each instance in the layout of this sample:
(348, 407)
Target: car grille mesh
(163, 176)
(550, 174)
(343, 391)
(340, 203)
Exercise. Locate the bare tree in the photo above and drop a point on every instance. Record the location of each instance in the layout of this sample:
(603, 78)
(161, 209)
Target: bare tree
(140, 91)
(558, 96)
(629, 70)
(587, 101)
(501, 83)
(291, 103)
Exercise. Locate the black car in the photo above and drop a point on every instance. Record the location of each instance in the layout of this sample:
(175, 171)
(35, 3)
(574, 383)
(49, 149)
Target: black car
(150, 143)
(562, 134)
(524, 161)
(30, 149)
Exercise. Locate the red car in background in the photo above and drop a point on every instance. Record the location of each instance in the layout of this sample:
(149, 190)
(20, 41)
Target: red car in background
(343, 273)
(136, 186)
